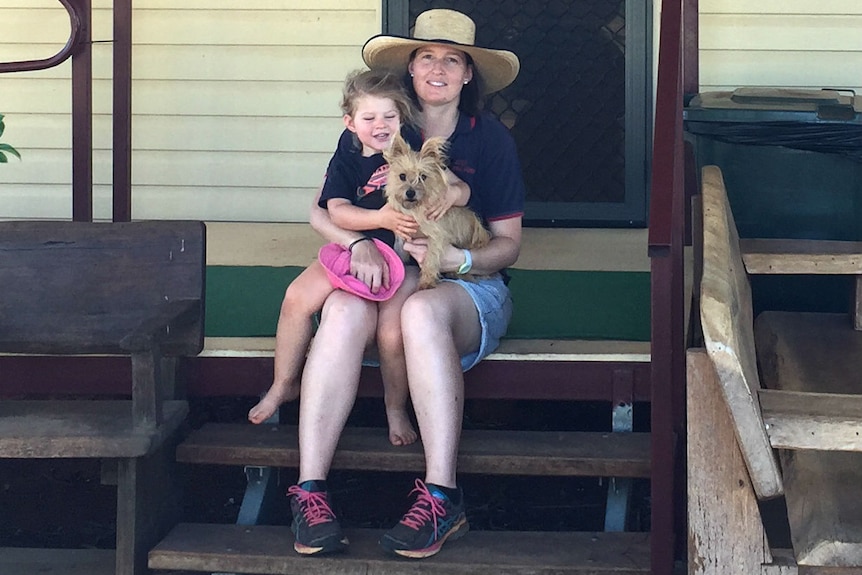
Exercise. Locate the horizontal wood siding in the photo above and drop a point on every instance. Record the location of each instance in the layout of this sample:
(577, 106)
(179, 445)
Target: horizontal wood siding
(780, 43)
(235, 105)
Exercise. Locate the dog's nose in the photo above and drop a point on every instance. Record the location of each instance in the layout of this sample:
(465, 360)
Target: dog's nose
(410, 194)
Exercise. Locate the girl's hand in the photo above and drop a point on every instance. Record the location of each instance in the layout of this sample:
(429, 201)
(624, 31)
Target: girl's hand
(368, 266)
(457, 194)
(403, 225)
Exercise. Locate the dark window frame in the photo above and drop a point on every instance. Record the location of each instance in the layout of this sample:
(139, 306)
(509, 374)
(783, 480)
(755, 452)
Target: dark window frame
(632, 212)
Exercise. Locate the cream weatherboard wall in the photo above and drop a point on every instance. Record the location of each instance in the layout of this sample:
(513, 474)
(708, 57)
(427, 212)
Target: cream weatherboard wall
(235, 105)
(780, 43)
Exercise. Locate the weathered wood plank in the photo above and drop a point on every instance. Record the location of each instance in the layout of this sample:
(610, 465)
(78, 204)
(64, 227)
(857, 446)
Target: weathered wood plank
(509, 349)
(728, 329)
(720, 493)
(81, 287)
(27, 561)
(809, 352)
(482, 451)
(85, 428)
(823, 490)
(148, 506)
(780, 256)
(268, 550)
(807, 420)
(812, 356)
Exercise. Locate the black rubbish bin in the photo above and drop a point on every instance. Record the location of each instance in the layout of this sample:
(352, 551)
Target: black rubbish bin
(791, 159)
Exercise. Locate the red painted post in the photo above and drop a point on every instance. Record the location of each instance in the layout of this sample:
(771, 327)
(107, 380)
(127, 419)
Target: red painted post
(122, 174)
(82, 118)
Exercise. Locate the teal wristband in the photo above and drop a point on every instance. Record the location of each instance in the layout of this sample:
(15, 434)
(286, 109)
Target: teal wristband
(468, 263)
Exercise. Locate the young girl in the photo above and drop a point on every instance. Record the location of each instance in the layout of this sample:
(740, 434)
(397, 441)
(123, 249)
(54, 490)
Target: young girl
(374, 106)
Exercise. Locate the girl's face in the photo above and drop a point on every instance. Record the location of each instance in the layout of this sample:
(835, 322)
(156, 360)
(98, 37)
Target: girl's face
(439, 72)
(375, 121)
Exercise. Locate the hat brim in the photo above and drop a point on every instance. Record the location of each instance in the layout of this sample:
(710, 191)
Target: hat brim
(498, 68)
(335, 259)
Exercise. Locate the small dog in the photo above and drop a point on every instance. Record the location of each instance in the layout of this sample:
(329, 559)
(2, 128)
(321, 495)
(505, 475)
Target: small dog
(415, 181)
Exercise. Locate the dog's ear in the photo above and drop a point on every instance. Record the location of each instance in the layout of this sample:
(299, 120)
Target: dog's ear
(398, 147)
(435, 149)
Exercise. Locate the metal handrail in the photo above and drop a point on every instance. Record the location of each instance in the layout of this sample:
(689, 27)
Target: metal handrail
(77, 29)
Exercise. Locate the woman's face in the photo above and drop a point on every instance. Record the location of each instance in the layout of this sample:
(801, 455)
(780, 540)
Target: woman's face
(439, 72)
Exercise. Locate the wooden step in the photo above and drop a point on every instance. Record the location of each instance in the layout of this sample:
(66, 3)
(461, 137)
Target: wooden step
(27, 561)
(269, 550)
(81, 428)
(550, 453)
(799, 256)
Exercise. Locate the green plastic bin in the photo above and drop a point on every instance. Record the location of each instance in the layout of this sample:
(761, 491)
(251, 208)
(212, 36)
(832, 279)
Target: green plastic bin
(791, 159)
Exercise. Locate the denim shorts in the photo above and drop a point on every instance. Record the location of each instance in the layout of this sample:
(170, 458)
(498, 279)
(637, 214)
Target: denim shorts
(493, 301)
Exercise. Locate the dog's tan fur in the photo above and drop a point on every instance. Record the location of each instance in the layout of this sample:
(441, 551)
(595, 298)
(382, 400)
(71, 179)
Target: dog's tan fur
(416, 181)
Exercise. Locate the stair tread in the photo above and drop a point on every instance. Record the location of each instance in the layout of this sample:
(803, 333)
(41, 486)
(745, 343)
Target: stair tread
(81, 428)
(268, 549)
(558, 453)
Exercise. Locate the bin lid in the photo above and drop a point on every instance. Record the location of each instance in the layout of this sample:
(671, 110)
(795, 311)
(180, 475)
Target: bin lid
(752, 105)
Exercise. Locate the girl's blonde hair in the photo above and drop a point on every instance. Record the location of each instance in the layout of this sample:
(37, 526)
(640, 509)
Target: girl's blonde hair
(380, 84)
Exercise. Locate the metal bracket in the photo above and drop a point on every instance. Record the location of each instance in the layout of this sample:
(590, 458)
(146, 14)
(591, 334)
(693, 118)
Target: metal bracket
(620, 488)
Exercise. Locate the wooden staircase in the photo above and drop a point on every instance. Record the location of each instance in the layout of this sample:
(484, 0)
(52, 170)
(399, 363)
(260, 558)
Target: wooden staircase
(268, 549)
(613, 372)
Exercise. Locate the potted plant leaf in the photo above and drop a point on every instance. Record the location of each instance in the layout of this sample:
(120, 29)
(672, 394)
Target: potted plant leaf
(6, 148)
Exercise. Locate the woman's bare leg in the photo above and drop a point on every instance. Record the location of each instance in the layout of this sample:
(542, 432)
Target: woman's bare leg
(439, 325)
(302, 299)
(393, 367)
(330, 380)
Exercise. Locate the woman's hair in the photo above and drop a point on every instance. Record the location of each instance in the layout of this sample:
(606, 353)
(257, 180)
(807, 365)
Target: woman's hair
(471, 99)
(380, 84)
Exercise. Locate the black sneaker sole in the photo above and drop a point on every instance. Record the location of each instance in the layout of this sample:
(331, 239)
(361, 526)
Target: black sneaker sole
(333, 546)
(458, 530)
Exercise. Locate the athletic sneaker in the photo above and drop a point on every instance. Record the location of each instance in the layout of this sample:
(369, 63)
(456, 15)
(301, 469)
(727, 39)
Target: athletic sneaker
(314, 523)
(432, 520)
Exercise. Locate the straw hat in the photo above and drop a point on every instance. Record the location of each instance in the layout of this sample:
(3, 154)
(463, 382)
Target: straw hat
(498, 68)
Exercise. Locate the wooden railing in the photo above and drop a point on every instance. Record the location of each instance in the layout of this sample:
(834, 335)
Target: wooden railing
(666, 251)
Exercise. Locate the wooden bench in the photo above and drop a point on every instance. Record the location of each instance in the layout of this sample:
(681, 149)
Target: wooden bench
(130, 289)
(773, 409)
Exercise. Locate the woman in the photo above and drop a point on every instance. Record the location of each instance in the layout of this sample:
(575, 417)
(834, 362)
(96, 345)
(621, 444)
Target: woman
(446, 330)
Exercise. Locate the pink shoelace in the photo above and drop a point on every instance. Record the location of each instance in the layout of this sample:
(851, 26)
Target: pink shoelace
(315, 507)
(424, 508)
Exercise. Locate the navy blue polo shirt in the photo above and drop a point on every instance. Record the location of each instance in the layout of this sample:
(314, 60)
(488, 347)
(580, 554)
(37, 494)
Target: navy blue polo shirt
(359, 179)
(482, 153)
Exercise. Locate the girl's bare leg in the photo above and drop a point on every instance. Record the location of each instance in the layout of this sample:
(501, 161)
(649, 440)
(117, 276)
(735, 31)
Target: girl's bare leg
(302, 299)
(393, 367)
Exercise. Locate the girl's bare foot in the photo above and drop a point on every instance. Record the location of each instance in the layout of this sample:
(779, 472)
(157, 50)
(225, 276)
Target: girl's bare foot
(401, 430)
(273, 399)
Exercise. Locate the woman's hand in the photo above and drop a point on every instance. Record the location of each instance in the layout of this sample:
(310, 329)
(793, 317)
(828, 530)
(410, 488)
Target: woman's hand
(368, 266)
(403, 225)
(452, 257)
(417, 248)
